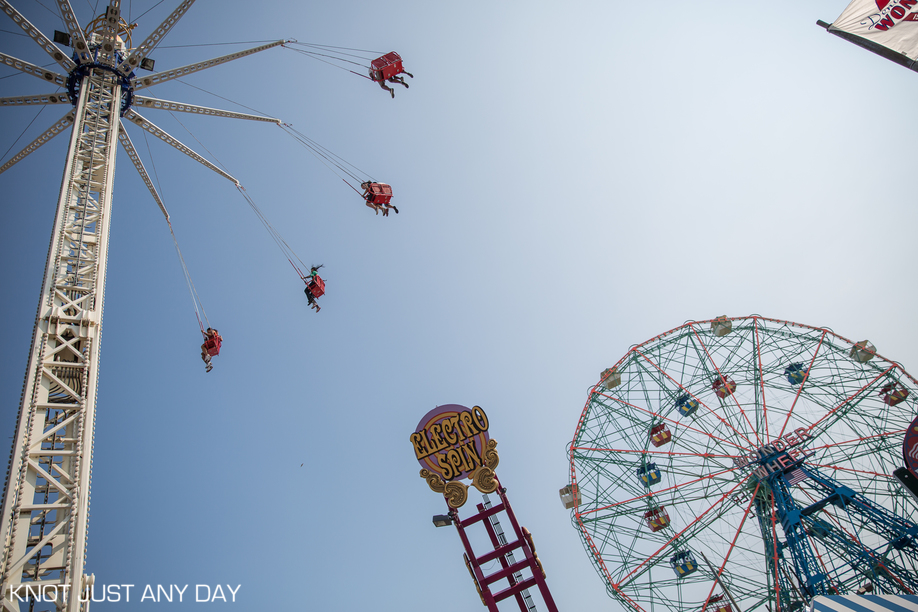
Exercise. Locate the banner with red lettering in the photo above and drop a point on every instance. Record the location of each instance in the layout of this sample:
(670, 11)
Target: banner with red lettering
(890, 23)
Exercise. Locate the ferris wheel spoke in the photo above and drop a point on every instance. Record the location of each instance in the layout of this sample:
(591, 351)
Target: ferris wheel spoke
(736, 536)
(806, 378)
(36, 71)
(761, 376)
(61, 125)
(128, 146)
(144, 49)
(675, 423)
(722, 377)
(78, 40)
(175, 73)
(152, 128)
(660, 492)
(889, 438)
(641, 452)
(850, 400)
(679, 423)
(35, 34)
(688, 527)
(184, 107)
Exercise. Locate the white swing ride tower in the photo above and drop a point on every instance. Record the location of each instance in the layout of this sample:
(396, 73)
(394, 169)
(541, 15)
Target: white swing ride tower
(43, 527)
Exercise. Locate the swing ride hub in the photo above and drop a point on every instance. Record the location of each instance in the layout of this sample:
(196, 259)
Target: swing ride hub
(78, 74)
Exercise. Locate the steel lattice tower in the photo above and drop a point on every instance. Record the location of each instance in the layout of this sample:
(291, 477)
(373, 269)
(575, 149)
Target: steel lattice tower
(46, 497)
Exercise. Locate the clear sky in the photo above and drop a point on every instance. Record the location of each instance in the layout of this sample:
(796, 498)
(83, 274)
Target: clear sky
(572, 178)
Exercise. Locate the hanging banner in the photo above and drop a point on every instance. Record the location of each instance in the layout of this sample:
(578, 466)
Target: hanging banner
(892, 24)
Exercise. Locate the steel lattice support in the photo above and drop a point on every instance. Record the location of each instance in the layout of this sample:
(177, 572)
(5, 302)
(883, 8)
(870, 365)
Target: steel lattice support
(46, 505)
(478, 565)
(806, 567)
(46, 497)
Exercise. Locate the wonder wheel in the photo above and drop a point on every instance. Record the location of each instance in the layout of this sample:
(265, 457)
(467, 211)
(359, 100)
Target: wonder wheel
(744, 464)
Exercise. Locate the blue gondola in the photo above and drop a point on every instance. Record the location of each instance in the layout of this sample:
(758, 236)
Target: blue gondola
(649, 474)
(686, 405)
(795, 373)
(683, 563)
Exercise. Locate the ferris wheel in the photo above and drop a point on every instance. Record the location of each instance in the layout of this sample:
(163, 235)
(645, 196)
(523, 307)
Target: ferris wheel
(743, 464)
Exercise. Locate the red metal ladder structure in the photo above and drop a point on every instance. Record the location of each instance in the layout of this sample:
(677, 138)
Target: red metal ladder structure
(504, 553)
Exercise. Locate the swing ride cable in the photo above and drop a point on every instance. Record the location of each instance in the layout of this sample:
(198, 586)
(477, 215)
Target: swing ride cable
(238, 42)
(275, 235)
(317, 150)
(341, 55)
(195, 298)
(254, 110)
(23, 132)
(321, 153)
(285, 248)
(334, 47)
(316, 56)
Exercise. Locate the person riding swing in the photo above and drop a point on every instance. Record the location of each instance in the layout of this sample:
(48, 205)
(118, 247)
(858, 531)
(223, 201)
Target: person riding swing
(315, 287)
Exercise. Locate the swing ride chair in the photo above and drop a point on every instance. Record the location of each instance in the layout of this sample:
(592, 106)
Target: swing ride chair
(388, 66)
(379, 193)
(316, 287)
(212, 344)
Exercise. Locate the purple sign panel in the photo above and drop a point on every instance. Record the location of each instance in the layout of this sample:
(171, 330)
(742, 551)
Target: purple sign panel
(910, 447)
(450, 439)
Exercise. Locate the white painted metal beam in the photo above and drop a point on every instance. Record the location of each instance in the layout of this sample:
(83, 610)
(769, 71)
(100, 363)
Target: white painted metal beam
(65, 122)
(77, 40)
(35, 34)
(35, 100)
(146, 102)
(144, 49)
(136, 118)
(138, 164)
(36, 71)
(168, 75)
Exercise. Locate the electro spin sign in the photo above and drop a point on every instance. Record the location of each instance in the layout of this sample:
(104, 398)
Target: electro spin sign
(451, 443)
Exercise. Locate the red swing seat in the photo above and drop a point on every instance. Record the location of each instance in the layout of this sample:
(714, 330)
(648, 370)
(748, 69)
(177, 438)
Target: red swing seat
(379, 193)
(316, 286)
(212, 345)
(386, 67)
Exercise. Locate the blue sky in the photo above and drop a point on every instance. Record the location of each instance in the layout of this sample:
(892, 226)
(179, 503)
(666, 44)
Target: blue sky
(573, 178)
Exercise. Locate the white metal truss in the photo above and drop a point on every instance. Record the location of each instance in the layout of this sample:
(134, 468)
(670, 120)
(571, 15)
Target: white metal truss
(46, 499)
(110, 26)
(77, 40)
(138, 165)
(168, 75)
(144, 49)
(151, 127)
(58, 98)
(35, 34)
(38, 71)
(183, 107)
(65, 122)
(46, 504)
